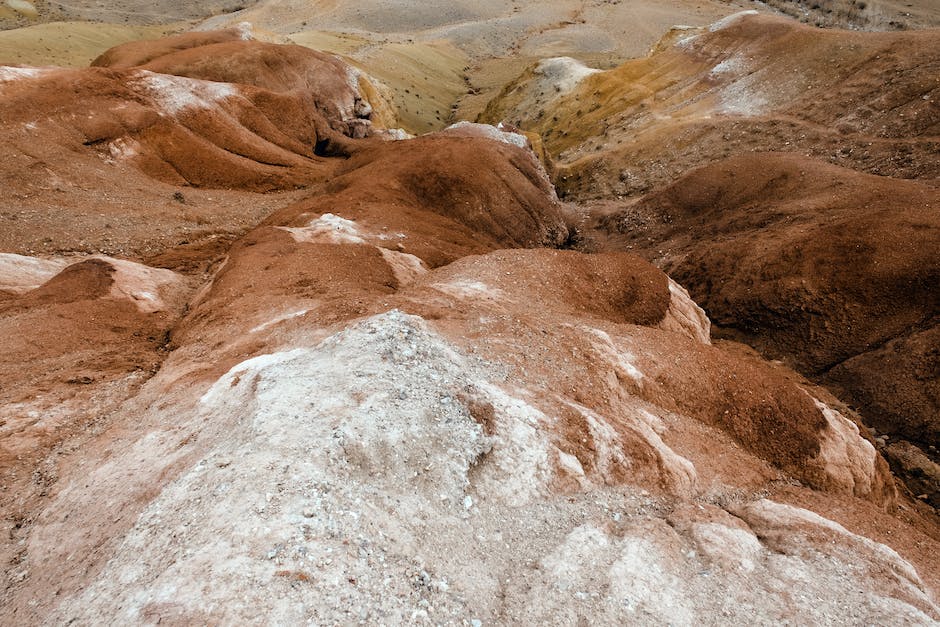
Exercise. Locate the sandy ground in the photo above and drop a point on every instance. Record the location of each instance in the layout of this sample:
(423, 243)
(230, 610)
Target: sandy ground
(70, 44)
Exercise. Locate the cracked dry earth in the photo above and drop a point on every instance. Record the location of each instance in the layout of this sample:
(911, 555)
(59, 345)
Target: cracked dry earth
(337, 377)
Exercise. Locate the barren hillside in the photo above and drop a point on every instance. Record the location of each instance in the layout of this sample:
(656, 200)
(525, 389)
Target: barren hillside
(750, 83)
(287, 340)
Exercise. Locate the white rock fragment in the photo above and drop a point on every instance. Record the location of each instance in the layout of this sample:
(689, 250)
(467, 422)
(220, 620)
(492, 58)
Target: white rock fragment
(463, 288)
(279, 319)
(685, 316)
(124, 148)
(620, 360)
(732, 66)
(328, 228)
(394, 134)
(143, 285)
(848, 459)
(10, 73)
(245, 31)
(23, 7)
(406, 267)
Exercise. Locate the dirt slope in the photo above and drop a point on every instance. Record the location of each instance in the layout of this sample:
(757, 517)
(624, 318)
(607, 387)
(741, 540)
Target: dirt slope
(69, 44)
(828, 269)
(86, 148)
(867, 101)
(811, 262)
(393, 401)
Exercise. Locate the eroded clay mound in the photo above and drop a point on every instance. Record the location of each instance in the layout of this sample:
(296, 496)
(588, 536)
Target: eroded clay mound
(749, 82)
(331, 86)
(395, 210)
(806, 260)
(109, 315)
(334, 269)
(137, 53)
(210, 132)
(453, 195)
(80, 336)
(386, 468)
(537, 296)
(619, 288)
(831, 270)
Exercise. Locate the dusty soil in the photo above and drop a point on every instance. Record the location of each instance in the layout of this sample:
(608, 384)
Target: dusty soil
(811, 263)
(70, 44)
(134, 12)
(335, 377)
(830, 270)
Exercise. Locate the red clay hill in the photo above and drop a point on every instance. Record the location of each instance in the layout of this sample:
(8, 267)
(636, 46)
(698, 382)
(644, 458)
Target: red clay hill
(788, 177)
(831, 270)
(392, 396)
